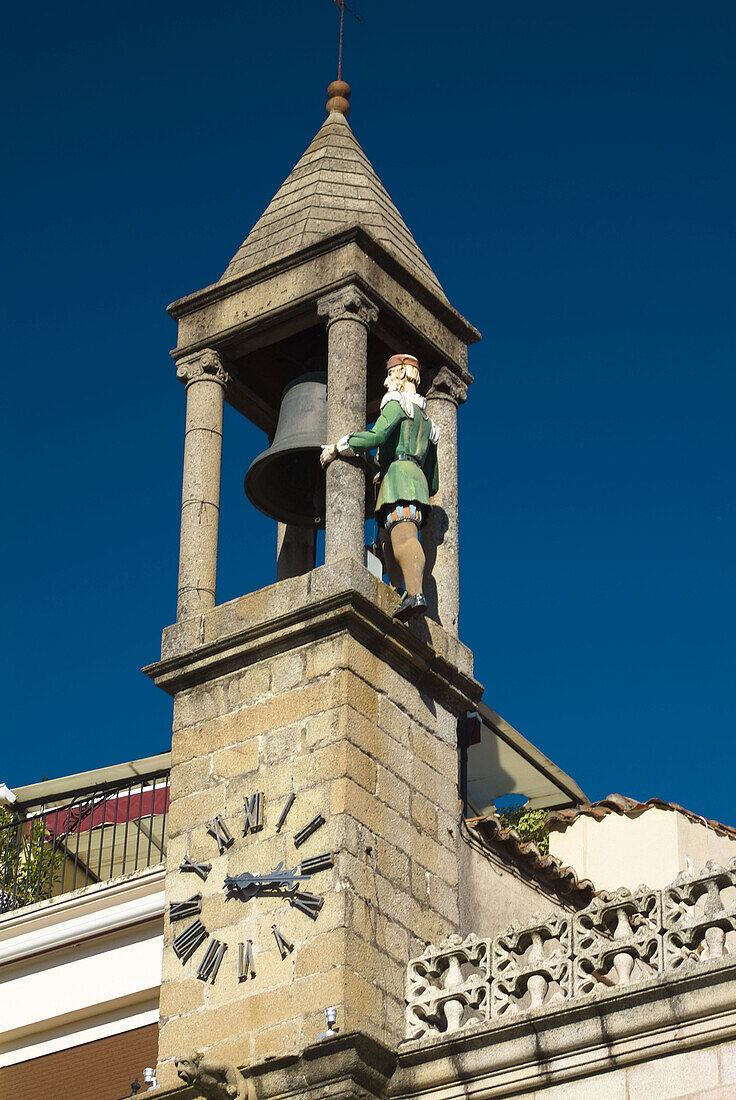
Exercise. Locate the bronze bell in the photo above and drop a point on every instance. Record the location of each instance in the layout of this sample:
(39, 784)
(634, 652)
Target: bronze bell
(286, 481)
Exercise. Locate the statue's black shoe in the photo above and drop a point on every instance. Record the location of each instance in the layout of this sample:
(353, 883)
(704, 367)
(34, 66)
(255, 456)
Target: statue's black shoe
(419, 605)
(410, 606)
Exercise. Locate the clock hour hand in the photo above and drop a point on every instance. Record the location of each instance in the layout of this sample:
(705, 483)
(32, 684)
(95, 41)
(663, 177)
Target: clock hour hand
(246, 885)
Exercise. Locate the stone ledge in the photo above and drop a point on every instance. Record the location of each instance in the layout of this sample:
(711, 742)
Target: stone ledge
(303, 609)
(576, 1043)
(217, 292)
(349, 1065)
(578, 1040)
(346, 1067)
(89, 911)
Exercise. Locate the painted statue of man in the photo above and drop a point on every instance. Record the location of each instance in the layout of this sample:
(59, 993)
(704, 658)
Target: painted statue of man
(407, 458)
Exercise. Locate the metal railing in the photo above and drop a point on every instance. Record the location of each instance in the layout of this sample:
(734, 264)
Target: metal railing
(83, 837)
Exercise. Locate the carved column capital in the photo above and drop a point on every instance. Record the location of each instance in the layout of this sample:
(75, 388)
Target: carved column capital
(202, 364)
(447, 386)
(347, 304)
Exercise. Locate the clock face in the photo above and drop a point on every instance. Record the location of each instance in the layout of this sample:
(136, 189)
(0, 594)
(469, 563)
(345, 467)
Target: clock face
(289, 881)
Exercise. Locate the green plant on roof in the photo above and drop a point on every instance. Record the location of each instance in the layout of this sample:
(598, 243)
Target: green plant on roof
(529, 824)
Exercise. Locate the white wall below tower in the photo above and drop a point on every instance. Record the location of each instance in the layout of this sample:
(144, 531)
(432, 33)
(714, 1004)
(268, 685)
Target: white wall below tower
(81, 967)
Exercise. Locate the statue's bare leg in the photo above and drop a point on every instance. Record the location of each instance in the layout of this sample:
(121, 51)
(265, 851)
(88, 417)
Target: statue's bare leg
(392, 566)
(409, 554)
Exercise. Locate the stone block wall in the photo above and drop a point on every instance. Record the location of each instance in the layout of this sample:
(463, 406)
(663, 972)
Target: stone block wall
(494, 892)
(361, 744)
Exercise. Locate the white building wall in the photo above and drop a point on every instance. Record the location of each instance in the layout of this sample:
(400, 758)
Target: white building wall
(650, 848)
(81, 967)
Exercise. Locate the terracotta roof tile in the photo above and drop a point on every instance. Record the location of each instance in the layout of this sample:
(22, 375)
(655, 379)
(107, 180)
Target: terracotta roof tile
(547, 869)
(621, 804)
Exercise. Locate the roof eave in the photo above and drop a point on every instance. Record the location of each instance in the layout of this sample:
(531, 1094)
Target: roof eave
(50, 789)
(549, 871)
(535, 756)
(221, 290)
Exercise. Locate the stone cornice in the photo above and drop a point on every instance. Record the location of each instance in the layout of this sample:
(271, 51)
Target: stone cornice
(228, 338)
(349, 1065)
(361, 1065)
(525, 1055)
(216, 292)
(294, 612)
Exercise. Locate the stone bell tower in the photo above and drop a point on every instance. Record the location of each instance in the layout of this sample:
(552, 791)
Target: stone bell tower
(314, 816)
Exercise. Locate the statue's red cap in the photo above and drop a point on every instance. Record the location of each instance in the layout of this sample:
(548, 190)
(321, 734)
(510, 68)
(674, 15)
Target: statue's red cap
(402, 360)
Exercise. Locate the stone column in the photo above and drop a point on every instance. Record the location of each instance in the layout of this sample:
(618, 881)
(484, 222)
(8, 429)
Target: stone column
(205, 379)
(348, 313)
(295, 550)
(440, 537)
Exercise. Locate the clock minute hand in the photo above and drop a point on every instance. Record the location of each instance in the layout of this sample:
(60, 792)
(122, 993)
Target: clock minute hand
(281, 877)
(250, 884)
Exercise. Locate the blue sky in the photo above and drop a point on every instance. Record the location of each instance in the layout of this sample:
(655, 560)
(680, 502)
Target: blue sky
(568, 170)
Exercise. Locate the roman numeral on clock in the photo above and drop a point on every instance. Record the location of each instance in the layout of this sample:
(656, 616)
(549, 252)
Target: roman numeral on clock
(307, 903)
(210, 964)
(285, 812)
(245, 961)
(180, 910)
(281, 942)
(318, 863)
(201, 869)
(187, 942)
(309, 828)
(253, 813)
(219, 830)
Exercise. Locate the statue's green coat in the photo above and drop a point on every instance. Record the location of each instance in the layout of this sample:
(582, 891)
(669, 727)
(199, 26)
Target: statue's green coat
(396, 433)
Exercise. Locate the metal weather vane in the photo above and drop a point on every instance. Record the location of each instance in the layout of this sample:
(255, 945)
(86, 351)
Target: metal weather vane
(343, 8)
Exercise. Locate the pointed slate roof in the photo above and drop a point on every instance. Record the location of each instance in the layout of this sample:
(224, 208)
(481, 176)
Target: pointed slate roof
(332, 187)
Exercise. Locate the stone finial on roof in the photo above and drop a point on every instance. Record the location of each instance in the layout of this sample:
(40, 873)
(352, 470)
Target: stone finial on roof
(339, 94)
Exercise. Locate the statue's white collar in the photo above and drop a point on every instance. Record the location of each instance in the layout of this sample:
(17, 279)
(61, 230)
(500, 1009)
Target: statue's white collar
(406, 400)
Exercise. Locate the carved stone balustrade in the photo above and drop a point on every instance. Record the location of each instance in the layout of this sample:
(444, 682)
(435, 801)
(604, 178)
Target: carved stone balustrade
(531, 965)
(616, 940)
(699, 915)
(619, 940)
(448, 987)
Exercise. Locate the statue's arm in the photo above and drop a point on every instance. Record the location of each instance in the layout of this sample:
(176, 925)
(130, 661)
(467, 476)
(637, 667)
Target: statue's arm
(391, 415)
(350, 445)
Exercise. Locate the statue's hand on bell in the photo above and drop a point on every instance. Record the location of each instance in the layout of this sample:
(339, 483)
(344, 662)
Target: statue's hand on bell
(328, 455)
